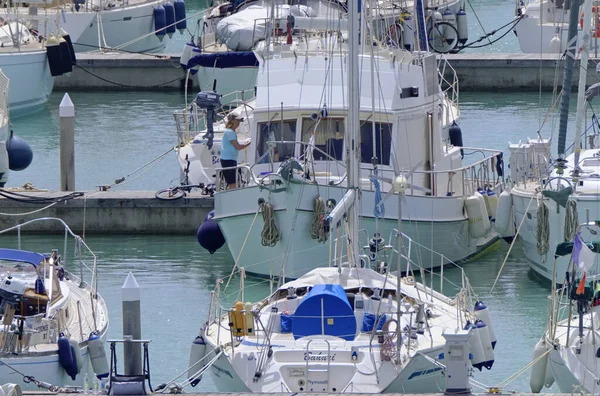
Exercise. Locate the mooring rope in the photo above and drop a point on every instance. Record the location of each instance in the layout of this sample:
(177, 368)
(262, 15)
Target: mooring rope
(270, 234)
(317, 231)
(543, 228)
(571, 220)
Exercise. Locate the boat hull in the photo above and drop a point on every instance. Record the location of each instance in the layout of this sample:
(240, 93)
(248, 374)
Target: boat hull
(30, 80)
(112, 28)
(544, 264)
(436, 223)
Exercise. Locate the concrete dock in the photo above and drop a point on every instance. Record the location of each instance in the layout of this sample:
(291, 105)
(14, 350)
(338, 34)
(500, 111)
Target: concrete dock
(34, 393)
(476, 72)
(109, 212)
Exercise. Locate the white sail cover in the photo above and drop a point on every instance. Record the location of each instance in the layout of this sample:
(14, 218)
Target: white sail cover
(348, 278)
(240, 32)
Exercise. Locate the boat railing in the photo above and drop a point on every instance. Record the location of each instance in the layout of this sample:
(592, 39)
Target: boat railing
(414, 254)
(462, 181)
(82, 254)
(448, 80)
(4, 85)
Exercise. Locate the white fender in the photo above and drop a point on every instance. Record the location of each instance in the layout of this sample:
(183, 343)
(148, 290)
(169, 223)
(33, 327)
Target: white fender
(98, 356)
(482, 312)
(478, 359)
(504, 213)
(479, 222)
(538, 370)
(77, 352)
(197, 353)
(492, 204)
(11, 390)
(486, 343)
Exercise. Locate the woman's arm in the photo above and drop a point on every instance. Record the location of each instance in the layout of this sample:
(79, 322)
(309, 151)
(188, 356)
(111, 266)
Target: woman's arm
(237, 144)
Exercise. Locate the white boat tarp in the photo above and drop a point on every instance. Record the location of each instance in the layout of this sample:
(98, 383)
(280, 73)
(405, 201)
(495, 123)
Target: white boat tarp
(242, 30)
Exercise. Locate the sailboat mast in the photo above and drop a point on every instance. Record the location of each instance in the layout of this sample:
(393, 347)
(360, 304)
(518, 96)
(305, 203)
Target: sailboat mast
(568, 76)
(353, 127)
(583, 64)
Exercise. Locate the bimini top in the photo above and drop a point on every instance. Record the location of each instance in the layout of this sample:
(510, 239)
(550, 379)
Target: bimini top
(21, 256)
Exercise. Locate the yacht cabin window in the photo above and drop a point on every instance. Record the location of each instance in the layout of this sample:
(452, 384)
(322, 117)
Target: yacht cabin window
(383, 142)
(329, 137)
(273, 132)
(591, 162)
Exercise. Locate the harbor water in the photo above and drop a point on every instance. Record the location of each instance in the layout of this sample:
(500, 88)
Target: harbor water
(118, 135)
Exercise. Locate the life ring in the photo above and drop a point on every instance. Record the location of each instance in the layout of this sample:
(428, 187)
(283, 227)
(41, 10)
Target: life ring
(596, 11)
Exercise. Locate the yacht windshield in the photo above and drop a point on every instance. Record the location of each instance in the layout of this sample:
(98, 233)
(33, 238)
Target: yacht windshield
(274, 132)
(329, 137)
(383, 142)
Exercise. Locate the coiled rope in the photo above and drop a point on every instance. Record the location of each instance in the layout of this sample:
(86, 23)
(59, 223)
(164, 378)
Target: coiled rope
(543, 228)
(317, 231)
(571, 220)
(270, 233)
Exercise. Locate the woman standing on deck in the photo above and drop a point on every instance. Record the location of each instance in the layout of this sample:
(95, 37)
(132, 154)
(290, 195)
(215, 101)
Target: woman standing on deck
(230, 148)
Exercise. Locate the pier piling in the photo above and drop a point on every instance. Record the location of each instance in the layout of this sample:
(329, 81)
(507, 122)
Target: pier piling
(132, 327)
(66, 111)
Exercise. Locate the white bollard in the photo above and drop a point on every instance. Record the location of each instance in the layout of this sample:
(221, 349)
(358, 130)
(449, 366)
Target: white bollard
(66, 111)
(132, 327)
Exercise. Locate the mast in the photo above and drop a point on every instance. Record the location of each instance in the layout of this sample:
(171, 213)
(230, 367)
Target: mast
(583, 64)
(568, 76)
(352, 128)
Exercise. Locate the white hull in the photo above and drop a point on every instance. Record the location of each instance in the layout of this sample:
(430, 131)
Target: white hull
(419, 376)
(544, 264)
(436, 223)
(541, 22)
(114, 27)
(30, 80)
(44, 367)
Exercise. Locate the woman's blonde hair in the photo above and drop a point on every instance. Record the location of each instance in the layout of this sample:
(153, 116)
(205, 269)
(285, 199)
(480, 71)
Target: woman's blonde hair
(229, 123)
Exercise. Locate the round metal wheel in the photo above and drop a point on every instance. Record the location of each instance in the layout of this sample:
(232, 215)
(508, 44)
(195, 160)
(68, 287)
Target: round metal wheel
(442, 37)
(169, 194)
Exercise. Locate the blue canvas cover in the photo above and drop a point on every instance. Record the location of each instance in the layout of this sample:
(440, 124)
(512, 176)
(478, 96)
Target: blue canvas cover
(21, 256)
(337, 318)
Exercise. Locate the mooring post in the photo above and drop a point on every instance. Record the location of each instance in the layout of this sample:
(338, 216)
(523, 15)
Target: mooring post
(132, 327)
(66, 111)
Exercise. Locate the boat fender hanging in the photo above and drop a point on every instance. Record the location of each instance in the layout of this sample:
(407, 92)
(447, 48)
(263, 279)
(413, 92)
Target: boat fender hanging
(482, 312)
(462, 26)
(77, 353)
(19, 152)
(504, 214)
(455, 135)
(66, 356)
(479, 222)
(408, 33)
(477, 356)
(180, 15)
(486, 343)
(170, 19)
(500, 164)
(98, 355)
(492, 200)
(160, 21)
(197, 353)
(67, 37)
(65, 56)
(54, 56)
(538, 370)
(209, 234)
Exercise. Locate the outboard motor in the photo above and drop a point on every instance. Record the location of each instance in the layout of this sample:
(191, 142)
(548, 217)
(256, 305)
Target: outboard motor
(209, 101)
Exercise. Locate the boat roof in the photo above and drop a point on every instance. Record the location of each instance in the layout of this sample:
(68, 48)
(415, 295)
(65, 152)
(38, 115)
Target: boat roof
(21, 256)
